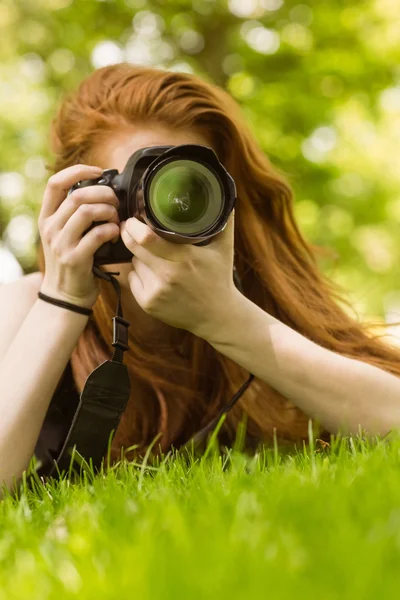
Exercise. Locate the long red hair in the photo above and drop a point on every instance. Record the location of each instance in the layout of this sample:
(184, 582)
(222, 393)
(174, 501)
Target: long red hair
(278, 268)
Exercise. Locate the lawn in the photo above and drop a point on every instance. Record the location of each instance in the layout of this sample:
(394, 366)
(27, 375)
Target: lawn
(319, 522)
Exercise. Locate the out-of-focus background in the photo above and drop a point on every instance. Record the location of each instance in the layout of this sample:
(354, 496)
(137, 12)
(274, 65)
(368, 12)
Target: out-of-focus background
(319, 83)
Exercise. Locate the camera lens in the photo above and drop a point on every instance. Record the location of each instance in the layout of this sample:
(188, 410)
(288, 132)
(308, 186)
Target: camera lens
(185, 196)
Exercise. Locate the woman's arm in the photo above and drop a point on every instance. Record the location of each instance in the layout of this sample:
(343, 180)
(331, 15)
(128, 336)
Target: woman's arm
(29, 373)
(341, 393)
(191, 287)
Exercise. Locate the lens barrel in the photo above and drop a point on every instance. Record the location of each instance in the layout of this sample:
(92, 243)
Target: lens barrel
(181, 192)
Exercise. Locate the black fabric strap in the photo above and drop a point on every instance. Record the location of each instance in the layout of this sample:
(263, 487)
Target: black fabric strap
(201, 435)
(106, 394)
(103, 398)
(101, 405)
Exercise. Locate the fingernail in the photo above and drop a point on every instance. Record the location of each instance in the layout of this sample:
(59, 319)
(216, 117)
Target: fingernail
(98, 170)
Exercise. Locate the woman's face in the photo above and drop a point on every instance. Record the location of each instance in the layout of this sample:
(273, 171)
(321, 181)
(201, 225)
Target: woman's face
(114, 154)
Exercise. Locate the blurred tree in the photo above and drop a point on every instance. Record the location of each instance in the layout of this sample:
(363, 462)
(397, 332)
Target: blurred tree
(319, 83)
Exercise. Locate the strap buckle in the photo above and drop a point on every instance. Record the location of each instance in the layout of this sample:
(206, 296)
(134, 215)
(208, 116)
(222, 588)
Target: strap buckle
(120, 333)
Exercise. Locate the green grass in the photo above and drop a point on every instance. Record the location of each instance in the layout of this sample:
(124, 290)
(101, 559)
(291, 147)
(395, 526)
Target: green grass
(317, 523)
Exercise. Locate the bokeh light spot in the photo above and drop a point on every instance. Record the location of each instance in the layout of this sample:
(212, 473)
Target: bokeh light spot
(106, 53)
(12, 187)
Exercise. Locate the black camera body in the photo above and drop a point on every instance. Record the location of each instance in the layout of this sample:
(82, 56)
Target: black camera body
(181, 192)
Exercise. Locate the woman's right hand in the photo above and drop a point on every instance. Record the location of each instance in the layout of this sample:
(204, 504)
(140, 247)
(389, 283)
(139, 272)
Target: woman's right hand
(62, 220)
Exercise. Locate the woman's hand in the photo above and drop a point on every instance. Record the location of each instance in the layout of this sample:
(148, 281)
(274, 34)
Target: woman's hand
(186, 286)
(63, 221)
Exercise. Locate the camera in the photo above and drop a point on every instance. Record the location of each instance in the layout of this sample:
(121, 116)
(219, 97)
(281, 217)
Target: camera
(182, 192)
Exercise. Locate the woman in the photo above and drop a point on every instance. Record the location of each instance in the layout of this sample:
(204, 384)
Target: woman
(194, 337)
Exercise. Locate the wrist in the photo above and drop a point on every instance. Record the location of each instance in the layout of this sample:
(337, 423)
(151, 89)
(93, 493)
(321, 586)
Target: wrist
(222, 319)
(82, 302)
(58, 314)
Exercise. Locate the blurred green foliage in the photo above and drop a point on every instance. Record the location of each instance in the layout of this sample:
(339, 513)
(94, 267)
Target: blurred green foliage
(319, 83)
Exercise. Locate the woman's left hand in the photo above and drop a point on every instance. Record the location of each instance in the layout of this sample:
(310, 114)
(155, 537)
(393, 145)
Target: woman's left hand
(183, 285)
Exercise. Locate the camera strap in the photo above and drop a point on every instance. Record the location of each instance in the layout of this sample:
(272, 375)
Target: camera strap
(106, 394)
(103, 398)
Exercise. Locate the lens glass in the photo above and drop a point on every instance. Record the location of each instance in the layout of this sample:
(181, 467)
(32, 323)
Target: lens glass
(186, 197)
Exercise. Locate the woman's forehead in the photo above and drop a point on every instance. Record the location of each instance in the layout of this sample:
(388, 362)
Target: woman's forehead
(115, 150)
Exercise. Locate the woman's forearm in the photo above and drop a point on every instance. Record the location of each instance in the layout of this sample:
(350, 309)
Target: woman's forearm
(341, 393)
(29, 373)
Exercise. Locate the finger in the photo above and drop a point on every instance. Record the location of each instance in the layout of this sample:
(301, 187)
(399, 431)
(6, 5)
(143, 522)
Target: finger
(149, 259)
(138, 236)
(95, 238)
(96, 194)
(58, 185)
(84, 217)
(135, 284)
(145, 272)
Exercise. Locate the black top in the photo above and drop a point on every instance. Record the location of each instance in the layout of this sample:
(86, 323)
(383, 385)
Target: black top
(57, 421)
